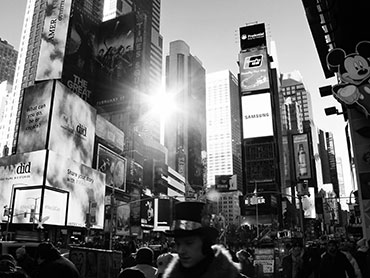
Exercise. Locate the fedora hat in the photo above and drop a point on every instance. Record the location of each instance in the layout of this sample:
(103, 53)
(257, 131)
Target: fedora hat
(192, 218)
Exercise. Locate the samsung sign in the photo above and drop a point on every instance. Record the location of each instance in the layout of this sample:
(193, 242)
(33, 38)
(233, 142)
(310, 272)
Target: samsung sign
(257, 116)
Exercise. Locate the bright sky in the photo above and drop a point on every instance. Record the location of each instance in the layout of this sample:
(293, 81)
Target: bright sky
(210, 28)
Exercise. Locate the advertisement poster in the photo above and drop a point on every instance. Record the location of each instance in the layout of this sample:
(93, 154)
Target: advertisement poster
(80, 64)
(109, 133)
(252, 36)
(135, 207)
(301, 156)
(113, 166)
(85, 186)
(123, 218)
(135, 175)
(19, 170)
(115, 60)
(257, 116)
(72, 132)
(147, 212)
(33, 127)
(54, 211)
(26, 207)
(226, 183)
(308, 204)
(162, 218)
(53, 39)
(254, 74)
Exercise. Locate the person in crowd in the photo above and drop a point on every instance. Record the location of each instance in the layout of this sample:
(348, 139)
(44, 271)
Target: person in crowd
(334, 264)
(298, 263)
(25, 261)
(131, 273)
(346, 248)
(9, 269)
(163, 261)
(144, 262)
(362, 256)
(52, 264)
(197, 253)
(246, 261)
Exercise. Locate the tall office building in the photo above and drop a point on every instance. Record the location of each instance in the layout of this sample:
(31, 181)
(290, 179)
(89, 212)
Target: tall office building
(8, 60)
(223, 127)
(185, 132)
(152, 51)
(292, 86)
(29, 48)
(7, 104)
(332, 162)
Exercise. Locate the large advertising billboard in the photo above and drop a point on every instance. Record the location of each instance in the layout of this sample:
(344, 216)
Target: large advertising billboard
(147, 212)
(111, 134)
(254, 74)
(113, 166)
(19, 170)
(72, 131)
(33, 127)
(252, 36)
(123, 218)
(257, 115)
(115, 60)
(308, 204)
(226, 183)
(85, 186)
(301, 156)
(53, 39)
(162, 217)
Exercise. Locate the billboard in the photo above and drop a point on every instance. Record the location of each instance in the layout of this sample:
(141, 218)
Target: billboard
(254, 74)
(147, 212)
(85, 186)
(226, 183)
(72, 131)
(113, 166)
(122, 218)
(33, 127)
(301, 156)
(257, 115)
(20, 170)
(111, 134)
(115, 59)
(162, 217)
(252, 36)
(53, 39)
(308, 204)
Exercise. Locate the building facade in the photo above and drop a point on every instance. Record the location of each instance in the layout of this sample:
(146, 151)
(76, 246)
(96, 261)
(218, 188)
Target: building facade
(8, 60)
(223, 127)
(185, 133)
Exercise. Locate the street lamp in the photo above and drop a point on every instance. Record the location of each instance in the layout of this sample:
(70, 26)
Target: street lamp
(10, 208)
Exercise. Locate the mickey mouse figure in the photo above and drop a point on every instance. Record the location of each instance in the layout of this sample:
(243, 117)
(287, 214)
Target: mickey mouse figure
(354, 74)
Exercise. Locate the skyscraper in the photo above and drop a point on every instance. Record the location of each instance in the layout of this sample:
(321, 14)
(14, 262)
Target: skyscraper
(223, 127)
(152, 51)
(8, 59)
(185, 132)
(29, 48)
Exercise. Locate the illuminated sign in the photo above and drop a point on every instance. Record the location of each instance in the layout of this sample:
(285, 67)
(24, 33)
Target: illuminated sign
(252, 36)
(301, 156)
(254, 70)
(257, 115)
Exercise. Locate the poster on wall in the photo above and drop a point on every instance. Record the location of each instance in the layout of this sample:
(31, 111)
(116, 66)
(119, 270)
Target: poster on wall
(123, 218)
(72, 131)
(301, 156)
(257, 116)
(53, 39)
(254, 74)
(147, 212)
(308, 204)
(86, 186)
(33, 127)
(113, 166)
(20, 170)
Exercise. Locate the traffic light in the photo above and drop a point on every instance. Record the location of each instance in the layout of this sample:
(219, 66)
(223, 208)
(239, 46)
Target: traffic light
(88, 220)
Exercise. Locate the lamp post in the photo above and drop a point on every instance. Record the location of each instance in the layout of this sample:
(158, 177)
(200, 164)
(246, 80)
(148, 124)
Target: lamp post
(34, 209)
(10, 208)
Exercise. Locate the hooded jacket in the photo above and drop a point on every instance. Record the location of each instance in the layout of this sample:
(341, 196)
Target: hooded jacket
(218, 266)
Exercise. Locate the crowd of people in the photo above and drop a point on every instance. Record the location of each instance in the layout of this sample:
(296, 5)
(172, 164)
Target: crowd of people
(195, 253)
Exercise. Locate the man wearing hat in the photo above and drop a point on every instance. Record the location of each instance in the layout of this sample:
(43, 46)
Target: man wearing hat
(197, 254)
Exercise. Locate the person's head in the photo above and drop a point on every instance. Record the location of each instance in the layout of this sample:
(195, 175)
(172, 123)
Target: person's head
(20, 253)
(145, 255)
(192, 232)
(296, 249)
(332, 247)
(244, 256)
(46, 251)
(131, 273)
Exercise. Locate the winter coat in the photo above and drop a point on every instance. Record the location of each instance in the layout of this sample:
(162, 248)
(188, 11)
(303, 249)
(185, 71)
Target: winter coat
(304, 271)
(337, 266)
(354, 263)
(220, 266)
